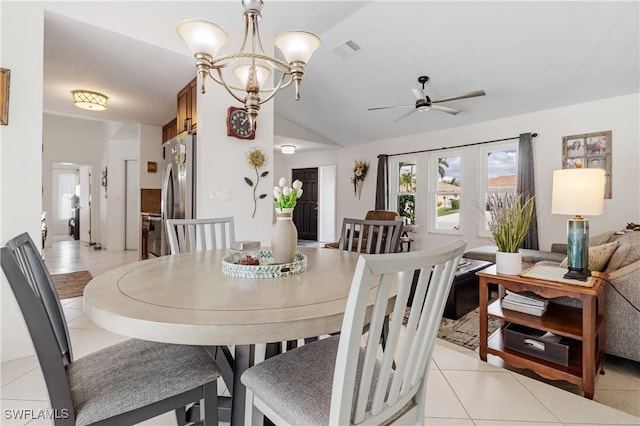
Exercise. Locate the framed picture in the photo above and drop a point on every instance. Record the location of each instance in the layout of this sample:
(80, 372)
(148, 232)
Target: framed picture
(590, 150)
(152, 167)
(5, 79)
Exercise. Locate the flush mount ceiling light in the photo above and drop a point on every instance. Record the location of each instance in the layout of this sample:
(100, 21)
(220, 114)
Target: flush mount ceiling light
(288, 149)
(87, 99)
(252, 68)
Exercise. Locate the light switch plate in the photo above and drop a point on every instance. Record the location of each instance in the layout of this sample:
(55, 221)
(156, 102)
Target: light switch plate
(219, 194)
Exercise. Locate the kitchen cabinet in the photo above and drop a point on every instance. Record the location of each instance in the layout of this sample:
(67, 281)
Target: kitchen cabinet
(169, 130)
(187, 107)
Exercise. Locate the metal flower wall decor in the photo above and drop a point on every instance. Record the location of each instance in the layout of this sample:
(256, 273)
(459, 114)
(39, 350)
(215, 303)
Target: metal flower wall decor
(257, 159)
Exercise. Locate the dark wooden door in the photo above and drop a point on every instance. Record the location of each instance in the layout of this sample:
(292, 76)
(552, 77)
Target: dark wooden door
(305, 215)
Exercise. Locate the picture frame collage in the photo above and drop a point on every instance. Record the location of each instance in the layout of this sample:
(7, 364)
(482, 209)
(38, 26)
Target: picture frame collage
(589, 150)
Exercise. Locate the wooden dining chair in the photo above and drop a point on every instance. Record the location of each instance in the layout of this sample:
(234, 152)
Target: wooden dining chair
(370, 236)
(186, 235)
(337, 381)
(123, 384)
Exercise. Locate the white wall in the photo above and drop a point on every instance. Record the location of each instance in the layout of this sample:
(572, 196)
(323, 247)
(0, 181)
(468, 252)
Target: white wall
(78, 141)
(119, 152)
(222, 165)
(150, 150)
(20, 150)
(619, 114)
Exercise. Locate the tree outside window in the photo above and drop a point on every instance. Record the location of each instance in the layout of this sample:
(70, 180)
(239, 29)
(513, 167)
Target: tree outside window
(407, 191)
(448, 191)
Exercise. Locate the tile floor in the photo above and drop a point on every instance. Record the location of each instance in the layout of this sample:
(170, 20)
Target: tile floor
(461, 390)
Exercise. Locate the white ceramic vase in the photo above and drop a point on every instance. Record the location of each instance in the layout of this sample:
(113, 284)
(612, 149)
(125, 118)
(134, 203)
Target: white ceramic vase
(284, 237)
(508, 263)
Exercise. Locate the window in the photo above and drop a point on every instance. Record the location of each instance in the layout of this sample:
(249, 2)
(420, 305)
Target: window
(66, 189)
(448, 181)
(499, 175)
(406, 202)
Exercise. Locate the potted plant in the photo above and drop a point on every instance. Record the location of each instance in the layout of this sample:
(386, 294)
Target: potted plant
(510, 215)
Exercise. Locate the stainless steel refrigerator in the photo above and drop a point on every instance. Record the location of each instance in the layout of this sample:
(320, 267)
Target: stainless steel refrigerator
(178, 188)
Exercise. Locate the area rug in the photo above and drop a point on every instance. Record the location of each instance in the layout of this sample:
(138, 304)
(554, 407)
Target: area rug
(464, 331)
(71, 284)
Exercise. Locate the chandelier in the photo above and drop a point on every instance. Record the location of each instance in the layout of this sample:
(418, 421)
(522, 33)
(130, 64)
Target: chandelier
(252, 66)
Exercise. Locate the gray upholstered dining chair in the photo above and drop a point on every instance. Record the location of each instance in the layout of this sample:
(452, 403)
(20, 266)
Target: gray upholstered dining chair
(370, 236)
(335, 380)
(122, 384)
(186, 235)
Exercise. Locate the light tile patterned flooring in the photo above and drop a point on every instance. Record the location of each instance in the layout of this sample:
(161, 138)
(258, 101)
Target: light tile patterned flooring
(461, 390)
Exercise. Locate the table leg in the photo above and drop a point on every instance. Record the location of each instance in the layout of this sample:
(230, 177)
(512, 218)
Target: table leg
(484, 300)
(588, 345)
(243, 359)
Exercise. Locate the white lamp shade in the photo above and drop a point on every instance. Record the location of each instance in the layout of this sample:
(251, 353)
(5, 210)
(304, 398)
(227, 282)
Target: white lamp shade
(578, 192)
(243, 73)
(297, 46)
(202, 36)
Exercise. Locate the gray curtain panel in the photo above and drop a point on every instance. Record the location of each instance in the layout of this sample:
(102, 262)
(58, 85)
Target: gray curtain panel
(382, 183)
(526, 186)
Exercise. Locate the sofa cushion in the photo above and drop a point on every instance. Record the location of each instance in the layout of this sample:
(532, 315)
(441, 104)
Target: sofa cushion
(598, 256)
(628, 251)
(488, 254)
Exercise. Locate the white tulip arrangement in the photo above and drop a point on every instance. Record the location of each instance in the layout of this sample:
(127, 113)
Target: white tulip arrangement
(285, 197)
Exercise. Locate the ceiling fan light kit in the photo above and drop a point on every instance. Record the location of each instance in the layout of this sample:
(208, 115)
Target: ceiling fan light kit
(425, 103)
(252, 67)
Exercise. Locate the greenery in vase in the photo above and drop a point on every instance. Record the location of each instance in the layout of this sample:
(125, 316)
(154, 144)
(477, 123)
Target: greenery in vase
(510, 215)
(285, 197)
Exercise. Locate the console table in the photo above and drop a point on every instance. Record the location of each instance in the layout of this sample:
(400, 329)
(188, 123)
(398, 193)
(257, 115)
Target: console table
(583, 326)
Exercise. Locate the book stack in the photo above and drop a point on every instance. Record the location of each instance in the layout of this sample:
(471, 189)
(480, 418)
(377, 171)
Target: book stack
(525, 302)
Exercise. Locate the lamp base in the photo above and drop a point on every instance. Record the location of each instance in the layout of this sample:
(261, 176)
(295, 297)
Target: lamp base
(578, 274)
(578, 249)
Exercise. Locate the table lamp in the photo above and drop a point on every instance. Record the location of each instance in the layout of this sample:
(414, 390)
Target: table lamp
(578, 192)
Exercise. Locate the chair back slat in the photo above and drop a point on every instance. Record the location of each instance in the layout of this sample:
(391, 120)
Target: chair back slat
(370, 236)
(35, 293)
(187, 235)
(394, 375)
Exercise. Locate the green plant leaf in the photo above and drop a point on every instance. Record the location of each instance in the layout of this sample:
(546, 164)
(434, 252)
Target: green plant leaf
(249, 181)
(264, 173)
(262, 196)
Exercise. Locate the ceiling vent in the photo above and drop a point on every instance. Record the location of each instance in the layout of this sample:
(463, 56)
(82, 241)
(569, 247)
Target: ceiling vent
(347, 49)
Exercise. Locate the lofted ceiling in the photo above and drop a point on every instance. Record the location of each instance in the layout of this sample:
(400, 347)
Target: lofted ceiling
(527, 56)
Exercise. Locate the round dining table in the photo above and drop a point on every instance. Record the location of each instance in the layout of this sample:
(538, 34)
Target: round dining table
(188, 299)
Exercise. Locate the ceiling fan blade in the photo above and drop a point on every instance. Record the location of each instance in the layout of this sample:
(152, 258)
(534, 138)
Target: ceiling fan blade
(388, 107)
(403, 116)
(419, 94)
(467, 95)
(448, 110)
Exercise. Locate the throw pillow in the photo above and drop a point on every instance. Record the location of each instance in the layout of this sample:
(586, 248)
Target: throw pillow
(598, 256)
(600, 239)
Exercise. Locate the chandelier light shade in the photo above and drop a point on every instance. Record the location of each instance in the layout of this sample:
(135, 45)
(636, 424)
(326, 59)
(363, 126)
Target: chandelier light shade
(578, 192)
(251, 65)
(288, 149)
(92, 101)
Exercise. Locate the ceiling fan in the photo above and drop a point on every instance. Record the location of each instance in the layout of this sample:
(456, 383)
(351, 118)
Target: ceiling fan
(425, 103)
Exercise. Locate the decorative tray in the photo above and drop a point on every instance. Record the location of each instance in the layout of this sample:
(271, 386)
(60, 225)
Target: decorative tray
(266, 268)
